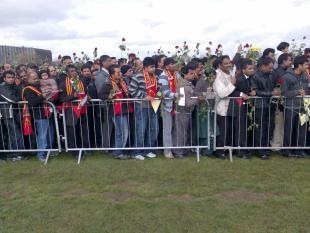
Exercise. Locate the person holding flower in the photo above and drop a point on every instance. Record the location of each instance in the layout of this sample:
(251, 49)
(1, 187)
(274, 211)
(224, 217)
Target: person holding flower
(293, 89)
(72, 98)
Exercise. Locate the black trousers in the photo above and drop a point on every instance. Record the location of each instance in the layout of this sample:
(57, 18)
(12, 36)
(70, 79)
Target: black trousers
(78, 134)
(94, 125)
(106, 118)
(263, 118)
(240, 125)
(294, 133)
(224, 124)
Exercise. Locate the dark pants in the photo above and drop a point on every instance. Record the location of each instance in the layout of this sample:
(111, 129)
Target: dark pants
(240, 126)
(263, 129)
(14, 136)
(94, 125)
(77, 135)
(131, 133)
(106, 119)
(224, 124)
(294, 133)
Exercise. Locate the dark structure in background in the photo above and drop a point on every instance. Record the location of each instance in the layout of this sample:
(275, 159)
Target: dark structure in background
(24, 55)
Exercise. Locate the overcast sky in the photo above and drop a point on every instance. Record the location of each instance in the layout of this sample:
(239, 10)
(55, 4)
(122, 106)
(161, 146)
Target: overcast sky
(67, 26)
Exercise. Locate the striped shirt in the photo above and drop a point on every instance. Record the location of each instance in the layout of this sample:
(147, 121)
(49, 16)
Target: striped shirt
(137, 89)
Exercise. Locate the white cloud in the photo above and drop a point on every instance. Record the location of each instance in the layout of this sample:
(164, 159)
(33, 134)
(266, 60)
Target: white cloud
(147, 25)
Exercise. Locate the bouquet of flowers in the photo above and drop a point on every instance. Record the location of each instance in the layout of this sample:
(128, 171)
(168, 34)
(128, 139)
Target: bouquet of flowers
(304, 117)
(254, 53)
(297, 49)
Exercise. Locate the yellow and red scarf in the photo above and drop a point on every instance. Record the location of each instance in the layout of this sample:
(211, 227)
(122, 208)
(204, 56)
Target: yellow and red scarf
(120, 89)
(26, 121)
(150, 83)
(120, 92)
(172, 79)
(75, 86)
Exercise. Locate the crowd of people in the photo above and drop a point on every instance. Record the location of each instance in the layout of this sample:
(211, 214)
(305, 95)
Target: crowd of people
(120, 123)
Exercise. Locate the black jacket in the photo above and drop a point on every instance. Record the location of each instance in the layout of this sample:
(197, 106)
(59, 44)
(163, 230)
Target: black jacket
(243, 85)
(290, 89)
(278, 74)
(11, 95)
(90, 87)
(35, 103)
(103, 84)
(263, 83)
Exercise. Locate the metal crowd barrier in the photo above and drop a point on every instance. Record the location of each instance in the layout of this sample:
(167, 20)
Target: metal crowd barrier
(25, 129)
(264, 124)
(135, 127)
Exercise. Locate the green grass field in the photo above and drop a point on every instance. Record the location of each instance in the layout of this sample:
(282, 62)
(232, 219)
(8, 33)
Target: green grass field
(107, 195)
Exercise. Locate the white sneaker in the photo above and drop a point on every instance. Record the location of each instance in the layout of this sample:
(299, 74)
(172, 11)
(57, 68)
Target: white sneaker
(139, 157)
(169, 156)
(151, 155)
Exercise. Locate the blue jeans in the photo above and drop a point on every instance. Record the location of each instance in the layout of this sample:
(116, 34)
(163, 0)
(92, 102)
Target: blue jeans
(146, 125)
(44, 136)
(121, 133)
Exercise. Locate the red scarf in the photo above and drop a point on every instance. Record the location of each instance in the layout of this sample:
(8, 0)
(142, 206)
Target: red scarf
(81, 95)
(26, 121)
(120, 92)
(150, 83)
(120, 89)
(172, 79)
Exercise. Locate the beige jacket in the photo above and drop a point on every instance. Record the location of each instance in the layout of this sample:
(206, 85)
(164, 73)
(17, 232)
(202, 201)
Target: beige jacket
(222, 88)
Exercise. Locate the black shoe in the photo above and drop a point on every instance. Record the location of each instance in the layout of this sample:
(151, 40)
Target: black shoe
(264, 157)
(179, 156)
(301, 154)
(221, 156)
(289, 155)
(246, 157)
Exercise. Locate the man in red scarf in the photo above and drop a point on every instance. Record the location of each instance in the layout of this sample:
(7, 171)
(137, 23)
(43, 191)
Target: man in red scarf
(121, 110)
(40, 113)
(143, 86)
(71, 97)
(168, 81)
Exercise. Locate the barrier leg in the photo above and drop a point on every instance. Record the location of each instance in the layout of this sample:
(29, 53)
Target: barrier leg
(47, 157)
(80, 156)
(230, 155)
(197, 154)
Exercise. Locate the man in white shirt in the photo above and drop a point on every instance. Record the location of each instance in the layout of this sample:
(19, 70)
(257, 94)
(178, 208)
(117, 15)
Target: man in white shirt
(223, 86)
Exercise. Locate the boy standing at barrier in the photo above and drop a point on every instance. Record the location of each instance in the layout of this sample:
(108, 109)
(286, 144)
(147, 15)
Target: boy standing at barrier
(265, 88)
(41, 113)
(9, 93)
(168, 81)
(72, 98)
(238, 107)
(144, 86)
